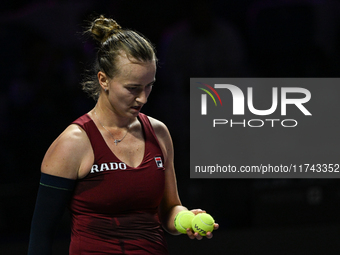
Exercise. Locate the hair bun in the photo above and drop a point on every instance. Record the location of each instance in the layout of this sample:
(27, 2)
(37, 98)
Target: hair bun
(102, 28)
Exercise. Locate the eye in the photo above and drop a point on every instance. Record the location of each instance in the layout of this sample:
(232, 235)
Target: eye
(132, 88)
(150, 85)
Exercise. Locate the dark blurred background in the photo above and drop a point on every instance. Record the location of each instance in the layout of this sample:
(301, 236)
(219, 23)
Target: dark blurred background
(43, 57)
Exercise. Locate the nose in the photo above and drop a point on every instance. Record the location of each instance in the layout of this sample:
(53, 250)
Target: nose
(142, 97)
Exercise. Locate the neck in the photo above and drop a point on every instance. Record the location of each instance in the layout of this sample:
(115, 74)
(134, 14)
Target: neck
(109, 118)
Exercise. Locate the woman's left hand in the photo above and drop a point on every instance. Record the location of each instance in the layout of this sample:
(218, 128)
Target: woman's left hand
(192, 235)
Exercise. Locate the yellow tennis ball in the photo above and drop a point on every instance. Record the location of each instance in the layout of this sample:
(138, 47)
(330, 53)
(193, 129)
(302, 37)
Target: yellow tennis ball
(183, 221)
(203, 223)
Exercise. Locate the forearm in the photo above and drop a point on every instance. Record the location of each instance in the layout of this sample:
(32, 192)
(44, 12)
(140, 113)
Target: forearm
(53, 196)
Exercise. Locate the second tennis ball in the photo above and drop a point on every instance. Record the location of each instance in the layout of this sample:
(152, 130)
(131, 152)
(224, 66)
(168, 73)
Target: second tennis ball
(203, 223)
(183, 221)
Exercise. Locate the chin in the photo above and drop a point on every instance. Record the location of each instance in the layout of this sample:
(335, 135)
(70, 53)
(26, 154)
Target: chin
(133, 114)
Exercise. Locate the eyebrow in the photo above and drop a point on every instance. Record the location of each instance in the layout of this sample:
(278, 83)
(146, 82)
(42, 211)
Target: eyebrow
(135, 84)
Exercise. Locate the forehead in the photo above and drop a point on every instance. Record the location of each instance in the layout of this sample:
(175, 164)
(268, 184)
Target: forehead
(131, 68)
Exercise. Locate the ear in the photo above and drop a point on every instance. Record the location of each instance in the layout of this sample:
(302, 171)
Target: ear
(103, 80)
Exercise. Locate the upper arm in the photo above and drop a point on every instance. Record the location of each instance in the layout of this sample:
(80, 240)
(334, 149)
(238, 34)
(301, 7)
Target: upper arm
(171, 197)
(68, 154)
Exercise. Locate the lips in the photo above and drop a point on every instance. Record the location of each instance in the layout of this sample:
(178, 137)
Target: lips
(137, 108)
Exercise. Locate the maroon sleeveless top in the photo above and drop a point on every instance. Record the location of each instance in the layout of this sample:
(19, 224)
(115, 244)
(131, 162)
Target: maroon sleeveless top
(115, 207)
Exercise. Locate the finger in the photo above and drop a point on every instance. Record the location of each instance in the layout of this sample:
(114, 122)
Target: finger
(197, 211)
(209, 235)
(216, 226)
(190, 234)
(193, 235)
(198, 236)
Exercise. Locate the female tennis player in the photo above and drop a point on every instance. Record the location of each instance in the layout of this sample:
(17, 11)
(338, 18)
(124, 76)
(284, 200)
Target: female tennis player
(112, 167)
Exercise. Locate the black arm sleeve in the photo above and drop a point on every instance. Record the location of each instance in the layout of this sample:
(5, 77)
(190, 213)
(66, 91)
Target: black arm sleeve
(53, 196)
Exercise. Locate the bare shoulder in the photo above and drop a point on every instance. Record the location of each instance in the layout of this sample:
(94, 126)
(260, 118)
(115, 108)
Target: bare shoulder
(163, 136)
(68, 153)
(159, 127)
